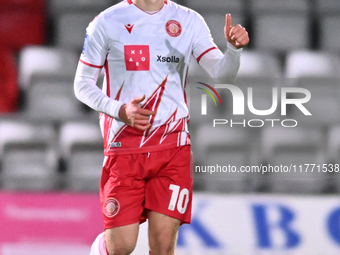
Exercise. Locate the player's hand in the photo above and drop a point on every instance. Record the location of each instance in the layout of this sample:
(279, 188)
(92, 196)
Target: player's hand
(236, 35)
(135, 116)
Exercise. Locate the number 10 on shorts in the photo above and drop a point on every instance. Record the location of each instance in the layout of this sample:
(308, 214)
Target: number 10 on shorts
(179, 198)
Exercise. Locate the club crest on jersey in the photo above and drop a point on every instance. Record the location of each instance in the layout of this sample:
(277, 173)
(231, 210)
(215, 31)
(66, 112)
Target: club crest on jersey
(173, 28)
(111, 207)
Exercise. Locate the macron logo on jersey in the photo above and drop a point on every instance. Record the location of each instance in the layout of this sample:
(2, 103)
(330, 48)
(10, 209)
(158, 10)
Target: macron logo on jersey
(129, 28)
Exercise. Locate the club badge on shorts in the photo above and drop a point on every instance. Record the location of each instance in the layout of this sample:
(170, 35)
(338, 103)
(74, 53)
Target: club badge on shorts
(173, 28)
(111, 207)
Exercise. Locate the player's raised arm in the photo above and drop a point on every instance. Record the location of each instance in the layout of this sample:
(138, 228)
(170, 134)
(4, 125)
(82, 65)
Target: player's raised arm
(221, 67)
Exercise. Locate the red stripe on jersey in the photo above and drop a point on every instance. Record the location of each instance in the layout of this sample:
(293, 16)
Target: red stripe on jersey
(107, 74)
(119, 92)
(153, 104)
(165, 1)
(137, 138)
(185, 85)
(88, 64)
(187, 142)
(108, 120)
(199, 58)
(167, 131)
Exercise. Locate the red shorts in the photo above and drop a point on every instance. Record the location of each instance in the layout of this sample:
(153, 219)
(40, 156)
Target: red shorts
(132, 184)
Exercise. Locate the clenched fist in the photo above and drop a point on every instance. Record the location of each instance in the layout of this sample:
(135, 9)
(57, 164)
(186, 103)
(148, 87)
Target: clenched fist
(236, 35)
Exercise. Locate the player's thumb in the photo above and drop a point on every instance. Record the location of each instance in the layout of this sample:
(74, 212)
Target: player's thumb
(227, 25)
(138, 99)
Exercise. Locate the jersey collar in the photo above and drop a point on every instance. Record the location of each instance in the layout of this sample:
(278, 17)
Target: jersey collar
(130, 1)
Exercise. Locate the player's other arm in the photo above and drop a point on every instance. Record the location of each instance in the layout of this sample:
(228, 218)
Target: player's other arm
(93, 56)
(221, 67)
(86, 91)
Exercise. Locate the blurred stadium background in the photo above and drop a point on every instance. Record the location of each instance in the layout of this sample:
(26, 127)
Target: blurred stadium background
(51, 146)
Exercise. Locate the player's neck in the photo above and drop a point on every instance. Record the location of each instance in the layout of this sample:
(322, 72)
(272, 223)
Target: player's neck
(149, 5)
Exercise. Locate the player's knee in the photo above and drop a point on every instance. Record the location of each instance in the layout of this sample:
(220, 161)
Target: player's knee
(162, 249)
(162, 245)
(123, 246)
(121, 240)
(120, 249)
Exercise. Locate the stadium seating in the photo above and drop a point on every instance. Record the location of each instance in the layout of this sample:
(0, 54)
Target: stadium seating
(327, 7)
(45, 60)
(307, 63)
(71, 29)
(279, 7)
(259, 64)
(221, 6)
(280, 26)
(319, 73)
(330, 33)
(281, 32)
(58, 7)
(81, 148)
(23, 22)
(333, 144)
(292, 148)
(261, 72)
(333, 154)
(223, 146)
(8, 82)
(52, 98)
(29, 157)
(324, 103)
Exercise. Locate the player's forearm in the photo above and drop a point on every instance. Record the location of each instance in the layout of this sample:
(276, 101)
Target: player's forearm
(222, 68)
(86, 91)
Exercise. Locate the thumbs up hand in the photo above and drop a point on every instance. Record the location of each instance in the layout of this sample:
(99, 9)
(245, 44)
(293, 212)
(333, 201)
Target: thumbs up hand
(236, 35)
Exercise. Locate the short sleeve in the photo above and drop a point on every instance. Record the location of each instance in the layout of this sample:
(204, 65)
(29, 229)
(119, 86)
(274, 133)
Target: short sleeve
(95, 45)
(203, 41)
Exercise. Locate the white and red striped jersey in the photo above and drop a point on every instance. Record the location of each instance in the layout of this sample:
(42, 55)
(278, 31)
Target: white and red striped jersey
(146, 54)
